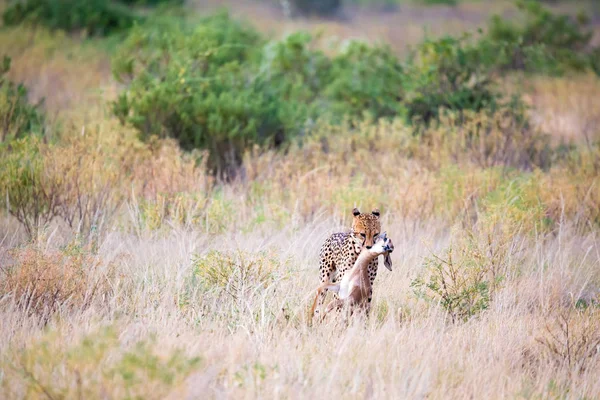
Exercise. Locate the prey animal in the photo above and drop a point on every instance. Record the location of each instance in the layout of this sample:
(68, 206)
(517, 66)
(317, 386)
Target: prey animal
(355, 288)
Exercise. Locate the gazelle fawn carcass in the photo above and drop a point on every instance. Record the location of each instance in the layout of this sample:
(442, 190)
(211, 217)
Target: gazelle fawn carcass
(354, 289)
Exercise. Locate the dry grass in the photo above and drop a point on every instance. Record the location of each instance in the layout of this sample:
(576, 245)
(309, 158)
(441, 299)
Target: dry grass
(192, 288)
(259, 345)
(47, 62)
(41, 282)
(224, 274)
(568, 108)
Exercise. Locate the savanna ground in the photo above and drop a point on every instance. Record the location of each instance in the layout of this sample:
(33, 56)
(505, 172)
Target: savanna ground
(163, 281)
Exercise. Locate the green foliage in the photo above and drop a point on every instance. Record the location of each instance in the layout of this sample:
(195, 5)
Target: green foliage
(220, 86)
(366, 79)
(236, 273)
(542, 42)
(53, 367)
(143, 364)
(95, 17)
(471, 271)
(30, 197)
(295, 74)
(450, 73)
(199, 86)
(18, 118)
(516, 203)
(458, 281)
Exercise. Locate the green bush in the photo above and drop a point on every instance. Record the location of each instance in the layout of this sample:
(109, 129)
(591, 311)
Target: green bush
(95, 17)
(542, 42)
(295, 74)
(18, 118)
(198, 85)
(366, 79)
(450, 73)
(220, 86)
(237, 273)
(460, 280)
(52, 367)
(30, 196)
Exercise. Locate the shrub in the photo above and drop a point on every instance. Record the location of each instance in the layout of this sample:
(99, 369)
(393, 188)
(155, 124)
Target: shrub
(32, 197)
(571, 338)
(86, 173)
(76, 181)
(60, 366)
(464, 280)
(236, 273)
(95, 17)
(366, 79)
(447, 73)
(220, 87)
(295, 74)
(18, 118)
(42, 282)
(543, 42)
(460, 287)
(198, 86)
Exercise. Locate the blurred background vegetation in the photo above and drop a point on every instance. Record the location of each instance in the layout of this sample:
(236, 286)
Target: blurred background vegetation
(112, 85)
(219, 84)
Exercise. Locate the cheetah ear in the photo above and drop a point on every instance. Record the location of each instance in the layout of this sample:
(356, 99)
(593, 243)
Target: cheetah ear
(355, 212)
(375, 212)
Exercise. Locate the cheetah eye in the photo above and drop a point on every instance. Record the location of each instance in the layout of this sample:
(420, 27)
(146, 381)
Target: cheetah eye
(363, 235)
(375, 236)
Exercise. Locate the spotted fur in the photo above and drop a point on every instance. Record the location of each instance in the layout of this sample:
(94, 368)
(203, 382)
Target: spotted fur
(340, 251)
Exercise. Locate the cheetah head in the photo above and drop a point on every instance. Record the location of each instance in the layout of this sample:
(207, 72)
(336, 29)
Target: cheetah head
(366, 227)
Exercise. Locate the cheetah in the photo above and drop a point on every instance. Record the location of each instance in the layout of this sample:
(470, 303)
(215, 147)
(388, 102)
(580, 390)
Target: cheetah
(340, 251)
(355, 287)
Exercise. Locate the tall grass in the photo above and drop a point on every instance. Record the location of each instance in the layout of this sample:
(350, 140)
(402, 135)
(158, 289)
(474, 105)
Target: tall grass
(260, 346)
(156, 280)
(214, 280)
